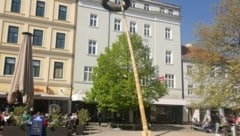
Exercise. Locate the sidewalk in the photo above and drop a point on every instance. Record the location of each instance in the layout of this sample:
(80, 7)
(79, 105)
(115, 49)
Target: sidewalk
(158, 130)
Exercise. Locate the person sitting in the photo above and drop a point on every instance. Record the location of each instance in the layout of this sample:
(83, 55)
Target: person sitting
(26, 117)
(206, 126)
(196, 122)
(7, 118)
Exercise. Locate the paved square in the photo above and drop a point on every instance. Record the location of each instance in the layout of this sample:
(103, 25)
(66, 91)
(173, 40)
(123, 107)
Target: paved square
(162, 130)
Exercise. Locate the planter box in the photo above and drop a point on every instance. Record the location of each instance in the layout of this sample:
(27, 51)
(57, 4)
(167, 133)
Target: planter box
(15, 131)
(18, 131)
(79, 129)
(57, 131)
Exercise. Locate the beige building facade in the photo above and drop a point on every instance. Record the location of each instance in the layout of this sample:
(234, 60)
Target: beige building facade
(52, 23)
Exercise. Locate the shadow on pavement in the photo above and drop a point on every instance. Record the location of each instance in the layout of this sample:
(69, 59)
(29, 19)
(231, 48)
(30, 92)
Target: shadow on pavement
(159, 129)
(166, 128)
(169, 127)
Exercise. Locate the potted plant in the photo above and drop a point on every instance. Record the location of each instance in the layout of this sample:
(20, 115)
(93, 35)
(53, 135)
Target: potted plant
(83, 117)
(55, 119)
(17, 125)
(56, 125)
(20, 116)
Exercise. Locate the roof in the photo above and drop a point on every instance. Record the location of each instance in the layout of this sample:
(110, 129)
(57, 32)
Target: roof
(190, 52)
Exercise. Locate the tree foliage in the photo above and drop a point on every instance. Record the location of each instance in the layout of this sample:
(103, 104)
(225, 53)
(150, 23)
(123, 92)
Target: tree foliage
(113, 79)
(216, 77)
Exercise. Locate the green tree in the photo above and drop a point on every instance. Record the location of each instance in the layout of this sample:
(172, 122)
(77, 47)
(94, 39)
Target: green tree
(216, 75)
(113, 79)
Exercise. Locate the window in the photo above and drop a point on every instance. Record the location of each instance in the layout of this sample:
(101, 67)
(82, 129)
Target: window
(16, 4)
(190, 89)
(60, 40)
(133, 27)
(162, 10)
(36, 68)
(92, 45)
(146, 7)
(220, 71)
(168, 33)
(9, 66)
(117, 25)
(117, 1)
(212, 71)
(93, 20)
(133, 4)
(168, 57)
(169, 79)
(40, 8)
(170, 11)
(58, 70)
(62, 13)
(88, 73)
(189, 69)
(144, 81)
(147, 30)
(37, 37)
(217, 71)
(12, 34)
(150, 53)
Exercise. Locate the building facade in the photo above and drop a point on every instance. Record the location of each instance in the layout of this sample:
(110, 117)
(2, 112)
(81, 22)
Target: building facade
(159, 26)
(188, 86)
(189, 53)
(52, 24)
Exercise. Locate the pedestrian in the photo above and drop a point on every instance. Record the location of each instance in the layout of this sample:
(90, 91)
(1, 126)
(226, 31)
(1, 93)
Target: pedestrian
(217, 121)
(7, 118)
(1, 120)
(99, 114)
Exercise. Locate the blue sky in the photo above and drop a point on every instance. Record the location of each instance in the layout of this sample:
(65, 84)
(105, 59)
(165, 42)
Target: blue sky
(193, 12)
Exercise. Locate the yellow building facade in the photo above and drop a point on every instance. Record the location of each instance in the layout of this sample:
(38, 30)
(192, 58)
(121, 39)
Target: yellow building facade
(52, 23)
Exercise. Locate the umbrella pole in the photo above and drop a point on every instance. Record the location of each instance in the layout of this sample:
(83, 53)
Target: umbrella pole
(145, 132)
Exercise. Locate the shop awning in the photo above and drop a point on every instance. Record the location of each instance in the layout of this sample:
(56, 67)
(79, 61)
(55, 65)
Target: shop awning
(78, 96)
(3, 94)
(49, 96)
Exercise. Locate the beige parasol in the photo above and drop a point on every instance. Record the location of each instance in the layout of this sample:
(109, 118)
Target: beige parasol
(21, 89)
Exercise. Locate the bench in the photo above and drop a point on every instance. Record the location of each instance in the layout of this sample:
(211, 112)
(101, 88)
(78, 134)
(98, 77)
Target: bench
(197, 127)
(200, 128)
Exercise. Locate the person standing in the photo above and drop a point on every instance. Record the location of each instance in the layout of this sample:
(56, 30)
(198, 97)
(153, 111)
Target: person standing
(1, 120)
(99, 114)
(217, 122)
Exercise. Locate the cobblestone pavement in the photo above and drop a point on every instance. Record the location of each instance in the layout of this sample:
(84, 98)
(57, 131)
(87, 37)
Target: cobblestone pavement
(162, 130)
